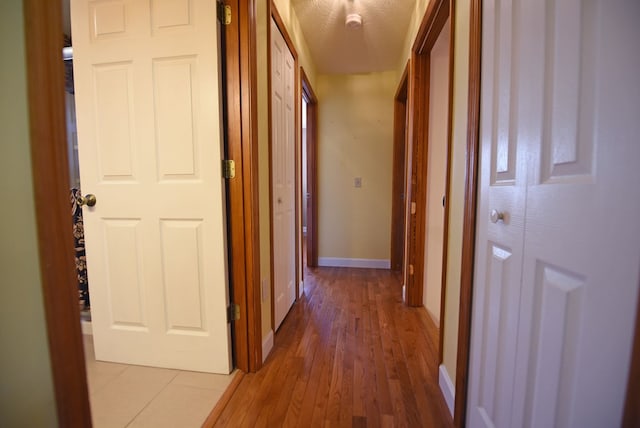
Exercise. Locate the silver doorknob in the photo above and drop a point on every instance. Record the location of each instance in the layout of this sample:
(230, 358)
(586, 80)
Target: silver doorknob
(88, 200)
(496, 216)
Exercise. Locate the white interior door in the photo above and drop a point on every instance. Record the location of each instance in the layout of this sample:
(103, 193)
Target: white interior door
(282, 174)
(149, 131)
(556, 280)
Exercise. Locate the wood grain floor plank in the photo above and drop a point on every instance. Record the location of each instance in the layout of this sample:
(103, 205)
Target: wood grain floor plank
(349, 354)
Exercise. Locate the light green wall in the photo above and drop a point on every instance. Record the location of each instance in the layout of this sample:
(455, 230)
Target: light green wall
(355, 139)
(458, 158)
(26, 388)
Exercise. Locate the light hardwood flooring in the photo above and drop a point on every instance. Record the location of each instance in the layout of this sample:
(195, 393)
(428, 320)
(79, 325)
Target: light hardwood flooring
(349, 353)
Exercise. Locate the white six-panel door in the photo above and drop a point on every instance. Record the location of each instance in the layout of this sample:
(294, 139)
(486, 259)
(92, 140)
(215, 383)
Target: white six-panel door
(146, 75)
(282, 173)
(556, 279)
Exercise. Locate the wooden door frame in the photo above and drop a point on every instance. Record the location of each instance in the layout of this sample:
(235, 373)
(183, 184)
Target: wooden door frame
(469, 215)
(45, 84)
(432, 24)
(310, 98)
(398, 204)
(273, 13)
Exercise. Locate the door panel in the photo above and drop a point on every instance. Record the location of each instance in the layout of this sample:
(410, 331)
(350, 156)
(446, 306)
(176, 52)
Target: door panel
(150, 149)
(573, 106)
(283, 173)
(502, 186)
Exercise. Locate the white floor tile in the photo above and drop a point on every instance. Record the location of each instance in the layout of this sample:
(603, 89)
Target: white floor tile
(178, 406)
(122, 399)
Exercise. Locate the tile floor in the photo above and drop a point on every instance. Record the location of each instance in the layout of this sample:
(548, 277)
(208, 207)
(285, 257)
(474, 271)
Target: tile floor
(135, 396)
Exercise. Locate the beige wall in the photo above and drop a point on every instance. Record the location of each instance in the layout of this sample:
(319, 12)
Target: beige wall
(458, 156)
(26, 388)
(292, 24)
(355, 139)
(437, 173)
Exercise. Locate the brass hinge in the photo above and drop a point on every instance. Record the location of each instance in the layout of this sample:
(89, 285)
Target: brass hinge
(410, 269)
(224, 13)
(413, 207)
(233, 312)
(228, 168)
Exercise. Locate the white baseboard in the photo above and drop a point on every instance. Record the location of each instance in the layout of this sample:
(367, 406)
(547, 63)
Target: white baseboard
(87, 329)
(267, 345)
(355, 263)
(447, 388)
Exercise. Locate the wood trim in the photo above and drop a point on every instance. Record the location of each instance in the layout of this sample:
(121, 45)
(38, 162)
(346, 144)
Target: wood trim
(469, 219)
(249, 192)
(45, 81)
(434, 19)
(430, 28)
(283, 29)
(447, 192)
(312, 169)
(273, 13)
(398, 202)
(235, 205)
(270, 7)
(215, 414)
(632, 401)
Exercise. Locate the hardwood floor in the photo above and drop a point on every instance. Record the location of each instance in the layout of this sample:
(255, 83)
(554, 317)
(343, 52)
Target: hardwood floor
(349, 353)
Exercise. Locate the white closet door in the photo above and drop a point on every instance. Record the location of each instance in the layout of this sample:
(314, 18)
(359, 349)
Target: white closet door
(573, 103)
(283, 173)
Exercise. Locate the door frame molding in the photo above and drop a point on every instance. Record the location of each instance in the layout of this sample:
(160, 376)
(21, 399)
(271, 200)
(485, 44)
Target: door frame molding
(273, 13)
(432, 24)
(400, 143)
(45, 83)
(309, 96)
(242, 83)
(469, 216)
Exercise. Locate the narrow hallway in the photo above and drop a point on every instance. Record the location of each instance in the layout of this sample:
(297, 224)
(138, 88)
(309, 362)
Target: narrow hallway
(349, 353)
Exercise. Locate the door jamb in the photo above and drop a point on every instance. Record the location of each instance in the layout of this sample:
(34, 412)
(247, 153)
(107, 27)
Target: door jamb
(435, 17)
(273, 13)
(243, 148)
(398, 207)
(312, 169)
(469, 217)
(45, 82)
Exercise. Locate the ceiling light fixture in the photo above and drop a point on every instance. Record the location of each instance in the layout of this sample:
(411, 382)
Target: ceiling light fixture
(353, 21)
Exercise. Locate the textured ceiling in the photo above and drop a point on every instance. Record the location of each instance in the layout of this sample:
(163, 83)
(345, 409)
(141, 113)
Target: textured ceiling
(376, 46)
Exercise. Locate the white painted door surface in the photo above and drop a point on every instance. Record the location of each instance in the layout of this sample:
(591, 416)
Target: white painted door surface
(147, 94)
(283, 174)
(556, 280)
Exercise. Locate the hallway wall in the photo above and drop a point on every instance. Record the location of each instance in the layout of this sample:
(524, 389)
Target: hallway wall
(355, 139)
(458, 158)
(26, 388)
